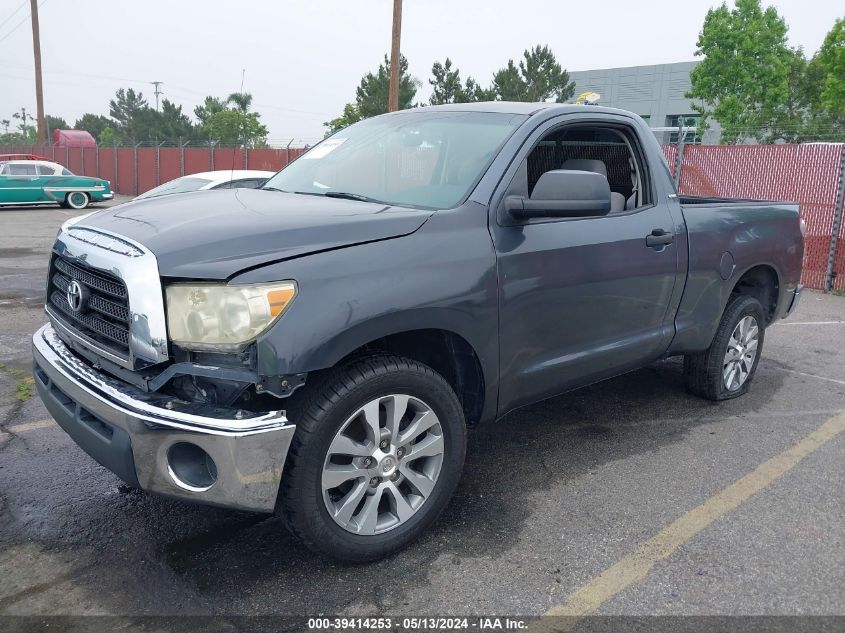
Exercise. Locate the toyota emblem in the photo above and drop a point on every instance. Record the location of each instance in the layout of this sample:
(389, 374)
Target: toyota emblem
(74, 296)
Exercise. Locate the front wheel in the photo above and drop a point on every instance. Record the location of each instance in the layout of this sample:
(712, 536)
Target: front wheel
(77, 200)
(726, 368)
(378, 452)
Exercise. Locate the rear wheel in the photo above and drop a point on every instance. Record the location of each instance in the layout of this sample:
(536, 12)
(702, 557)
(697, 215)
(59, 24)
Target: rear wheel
(378, 451)
(726, 368)
(77, 200)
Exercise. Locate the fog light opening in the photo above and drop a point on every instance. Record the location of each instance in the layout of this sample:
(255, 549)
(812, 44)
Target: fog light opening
(190, 467)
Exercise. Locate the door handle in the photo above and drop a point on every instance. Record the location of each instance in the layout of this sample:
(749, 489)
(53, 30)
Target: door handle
(659, 238)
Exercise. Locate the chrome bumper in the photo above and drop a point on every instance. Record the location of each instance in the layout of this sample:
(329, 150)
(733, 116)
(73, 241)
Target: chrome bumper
(208, 455)
(107, 196)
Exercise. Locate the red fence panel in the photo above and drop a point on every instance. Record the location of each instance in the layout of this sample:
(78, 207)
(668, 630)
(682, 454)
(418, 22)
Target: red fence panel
(168, 164)
(266, 159)
(197, 159)
(106, 161)
(671, 154)
(89, 162)
(807, 174)
(228, 158)
(125, 171)
(146, 169)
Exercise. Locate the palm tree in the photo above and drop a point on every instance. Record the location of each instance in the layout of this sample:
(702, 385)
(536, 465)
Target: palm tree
(242, 100)
(5, 123)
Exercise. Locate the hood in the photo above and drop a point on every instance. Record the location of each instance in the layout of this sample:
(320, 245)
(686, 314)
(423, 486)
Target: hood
(216, 234)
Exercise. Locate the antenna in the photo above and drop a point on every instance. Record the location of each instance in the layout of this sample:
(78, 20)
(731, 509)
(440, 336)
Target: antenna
(243, 130)
(157, 91)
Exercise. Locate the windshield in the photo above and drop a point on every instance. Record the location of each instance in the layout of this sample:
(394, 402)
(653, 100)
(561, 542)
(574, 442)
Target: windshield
(419, 159)
(180, 185)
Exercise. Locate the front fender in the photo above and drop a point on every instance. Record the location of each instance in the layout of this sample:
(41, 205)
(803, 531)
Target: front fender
(440, 277)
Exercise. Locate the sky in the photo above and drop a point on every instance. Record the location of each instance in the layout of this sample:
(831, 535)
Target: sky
(302, 59)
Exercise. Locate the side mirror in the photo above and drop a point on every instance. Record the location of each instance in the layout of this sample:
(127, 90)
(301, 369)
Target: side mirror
(563, 193)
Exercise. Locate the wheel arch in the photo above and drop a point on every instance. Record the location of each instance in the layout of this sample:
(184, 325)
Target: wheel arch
(763, 282)
(446, 352)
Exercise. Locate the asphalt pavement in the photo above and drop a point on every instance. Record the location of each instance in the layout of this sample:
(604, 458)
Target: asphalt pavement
(629, 497)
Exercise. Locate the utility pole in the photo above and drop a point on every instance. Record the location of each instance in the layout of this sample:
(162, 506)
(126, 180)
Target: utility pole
(158, 91)
(393, 89)
(41, 134)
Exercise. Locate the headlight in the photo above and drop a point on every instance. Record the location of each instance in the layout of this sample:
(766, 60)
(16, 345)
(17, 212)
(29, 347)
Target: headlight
(220, 317)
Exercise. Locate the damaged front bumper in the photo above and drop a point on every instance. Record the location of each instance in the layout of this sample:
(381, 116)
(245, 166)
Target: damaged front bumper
(199, 453)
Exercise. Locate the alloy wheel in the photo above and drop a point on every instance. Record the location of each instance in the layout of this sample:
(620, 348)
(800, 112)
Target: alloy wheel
(741, 353)
(383, 464)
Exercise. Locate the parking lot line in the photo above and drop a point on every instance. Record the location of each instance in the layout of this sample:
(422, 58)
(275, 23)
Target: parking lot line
(638, 564)
(810, 323)
(803, 373)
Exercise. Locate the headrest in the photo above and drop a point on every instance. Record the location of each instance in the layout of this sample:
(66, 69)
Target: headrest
(586, 164)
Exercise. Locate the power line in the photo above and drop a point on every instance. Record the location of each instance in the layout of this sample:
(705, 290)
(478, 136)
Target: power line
(173, 88)
(12, 14)
(21, 23)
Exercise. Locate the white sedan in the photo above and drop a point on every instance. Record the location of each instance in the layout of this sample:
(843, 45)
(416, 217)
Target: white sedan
(223, 179)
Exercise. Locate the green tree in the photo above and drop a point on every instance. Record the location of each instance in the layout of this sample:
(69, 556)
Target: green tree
(350, 115)
(371, 95)
(130, 111)
(107, 137)
(747, 72)
(242, 100)
(447, 86)
(55, 123)
(167, 125)
(538, 77)
(211, 105)
(94, 124)
(830, 63)
(233, 127)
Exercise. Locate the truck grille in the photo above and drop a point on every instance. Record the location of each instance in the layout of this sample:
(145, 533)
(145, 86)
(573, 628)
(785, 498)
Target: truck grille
(105, 316)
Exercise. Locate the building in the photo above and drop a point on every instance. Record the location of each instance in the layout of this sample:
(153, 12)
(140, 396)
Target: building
(656, 93)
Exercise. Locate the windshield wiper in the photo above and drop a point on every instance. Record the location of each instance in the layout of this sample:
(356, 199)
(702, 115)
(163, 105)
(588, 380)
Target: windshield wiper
(274, 189)
(351, 196)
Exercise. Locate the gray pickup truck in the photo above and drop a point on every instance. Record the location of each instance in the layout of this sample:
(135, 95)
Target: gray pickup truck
(319, 347)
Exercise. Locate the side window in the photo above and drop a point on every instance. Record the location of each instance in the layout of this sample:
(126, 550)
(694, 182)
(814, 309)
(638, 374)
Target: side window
(22, 170)
(46, 170)
(612, 151)
(3, 171)
(66, 172)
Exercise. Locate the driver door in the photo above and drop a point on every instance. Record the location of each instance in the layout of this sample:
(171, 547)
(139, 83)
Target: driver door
(581, 298)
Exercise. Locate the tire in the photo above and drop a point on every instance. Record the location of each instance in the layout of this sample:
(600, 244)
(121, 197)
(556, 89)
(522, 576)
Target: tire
(725, 370)
(330, 410)
(77, 200)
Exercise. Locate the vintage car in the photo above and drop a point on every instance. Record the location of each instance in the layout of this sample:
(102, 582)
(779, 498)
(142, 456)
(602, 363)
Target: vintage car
(31, 182)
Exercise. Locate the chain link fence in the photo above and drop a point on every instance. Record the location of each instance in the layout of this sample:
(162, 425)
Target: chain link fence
(811, 174)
